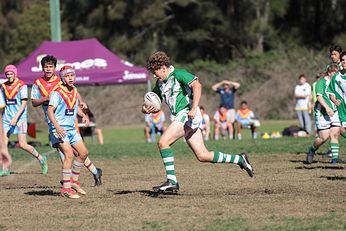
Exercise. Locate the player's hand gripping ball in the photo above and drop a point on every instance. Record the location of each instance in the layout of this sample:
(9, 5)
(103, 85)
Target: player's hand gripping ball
(152, 99)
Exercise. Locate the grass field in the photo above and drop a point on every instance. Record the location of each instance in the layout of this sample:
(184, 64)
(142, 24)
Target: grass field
(285, 194)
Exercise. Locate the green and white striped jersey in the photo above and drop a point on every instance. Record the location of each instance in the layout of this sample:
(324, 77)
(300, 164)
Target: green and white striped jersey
(175, 90)
(321, 90)
(339, 64)
(337, 87)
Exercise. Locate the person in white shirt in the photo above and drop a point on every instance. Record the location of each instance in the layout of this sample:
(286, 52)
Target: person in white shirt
(303, 98)
(205, 126)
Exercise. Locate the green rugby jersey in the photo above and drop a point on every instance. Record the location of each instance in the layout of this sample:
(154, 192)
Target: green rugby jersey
(175, 90)
(337, 87)
(321, 90)
(339, 64)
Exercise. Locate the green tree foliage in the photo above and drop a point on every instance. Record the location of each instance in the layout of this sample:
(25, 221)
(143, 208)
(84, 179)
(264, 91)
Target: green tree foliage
(188, 29)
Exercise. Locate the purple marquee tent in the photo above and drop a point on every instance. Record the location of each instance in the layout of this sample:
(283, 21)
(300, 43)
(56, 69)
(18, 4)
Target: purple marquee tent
(94, 64)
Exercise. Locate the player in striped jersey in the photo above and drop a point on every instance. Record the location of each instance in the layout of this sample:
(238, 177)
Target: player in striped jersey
(40, 94)
(326, 117)
(182, 91)
(62, 113)
(14, 117)
(335, 56)
(337, 92)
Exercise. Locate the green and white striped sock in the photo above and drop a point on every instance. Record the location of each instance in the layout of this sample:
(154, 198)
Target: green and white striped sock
(168, 160)
(334, 147)
(220, 157)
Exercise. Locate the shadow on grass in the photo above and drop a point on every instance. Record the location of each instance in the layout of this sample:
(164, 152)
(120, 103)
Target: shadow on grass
(48, 192)
(314, 162)
(309, 167)
(342, 178)
(147, 193)
(30, 187)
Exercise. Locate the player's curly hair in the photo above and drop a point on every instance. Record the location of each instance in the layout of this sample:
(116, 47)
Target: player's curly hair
(157, 60)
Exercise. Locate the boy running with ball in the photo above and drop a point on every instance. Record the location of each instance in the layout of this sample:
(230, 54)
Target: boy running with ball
(181, 91)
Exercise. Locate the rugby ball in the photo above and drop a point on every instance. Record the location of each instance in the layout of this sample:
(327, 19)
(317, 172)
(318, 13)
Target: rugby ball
(152, 99)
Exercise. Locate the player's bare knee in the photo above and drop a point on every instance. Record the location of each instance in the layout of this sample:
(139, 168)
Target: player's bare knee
(68, 156)
(22, 145)
(162, 143)
(202, 156)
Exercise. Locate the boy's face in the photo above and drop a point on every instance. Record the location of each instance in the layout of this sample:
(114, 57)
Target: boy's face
(48, 69)
(69, 79)
(243, 106)
(223, 110)
(10, 76)
(332, 73)
(162, 73)
(335, 56)
(343, 61)
(302, 80)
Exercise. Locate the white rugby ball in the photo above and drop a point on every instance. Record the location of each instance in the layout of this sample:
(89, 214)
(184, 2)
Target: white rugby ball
(152, 99)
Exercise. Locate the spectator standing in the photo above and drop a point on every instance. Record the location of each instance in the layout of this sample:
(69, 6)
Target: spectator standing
(226, 89)
(303, 98)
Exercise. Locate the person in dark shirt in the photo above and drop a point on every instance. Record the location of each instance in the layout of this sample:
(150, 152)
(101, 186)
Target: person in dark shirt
(226, 89)
(87, 130)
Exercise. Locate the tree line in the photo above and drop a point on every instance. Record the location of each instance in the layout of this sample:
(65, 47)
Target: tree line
(218, 30)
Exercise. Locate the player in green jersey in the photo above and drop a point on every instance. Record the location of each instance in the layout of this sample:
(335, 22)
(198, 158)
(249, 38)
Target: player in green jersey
(337, 91)
(181, 91)
(326, 117)
(335, 56)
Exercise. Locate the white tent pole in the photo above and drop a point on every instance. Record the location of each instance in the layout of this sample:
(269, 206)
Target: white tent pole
(149, 85)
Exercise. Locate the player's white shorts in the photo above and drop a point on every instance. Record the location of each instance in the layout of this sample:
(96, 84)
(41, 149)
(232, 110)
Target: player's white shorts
(20, 128)
(324, 122)
(183, 118)
(72, 137)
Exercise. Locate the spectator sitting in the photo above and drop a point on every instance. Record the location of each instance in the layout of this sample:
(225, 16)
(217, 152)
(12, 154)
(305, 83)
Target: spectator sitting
(222, 123)
(205, 124)
(84, 131)
(245, 118)
(154, 124)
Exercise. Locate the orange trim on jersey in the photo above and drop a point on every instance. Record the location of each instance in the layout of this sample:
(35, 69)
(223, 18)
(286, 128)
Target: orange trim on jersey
(222, 117)
(12, 90)
(47, 87)
(244, 113)
(70, 98)
(156, 117)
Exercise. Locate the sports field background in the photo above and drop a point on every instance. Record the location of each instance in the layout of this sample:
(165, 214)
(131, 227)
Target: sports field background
(285, 194)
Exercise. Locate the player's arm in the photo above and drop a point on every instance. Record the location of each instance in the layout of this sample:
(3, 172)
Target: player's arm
(82, 103)
(85, 118)
(36, 98)
(59, 130)
(325, 105)
(197, 92)
(235, 85)
(40, 101)
(14, 120)
(332, 97)
(218, 85)
(150, 109)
